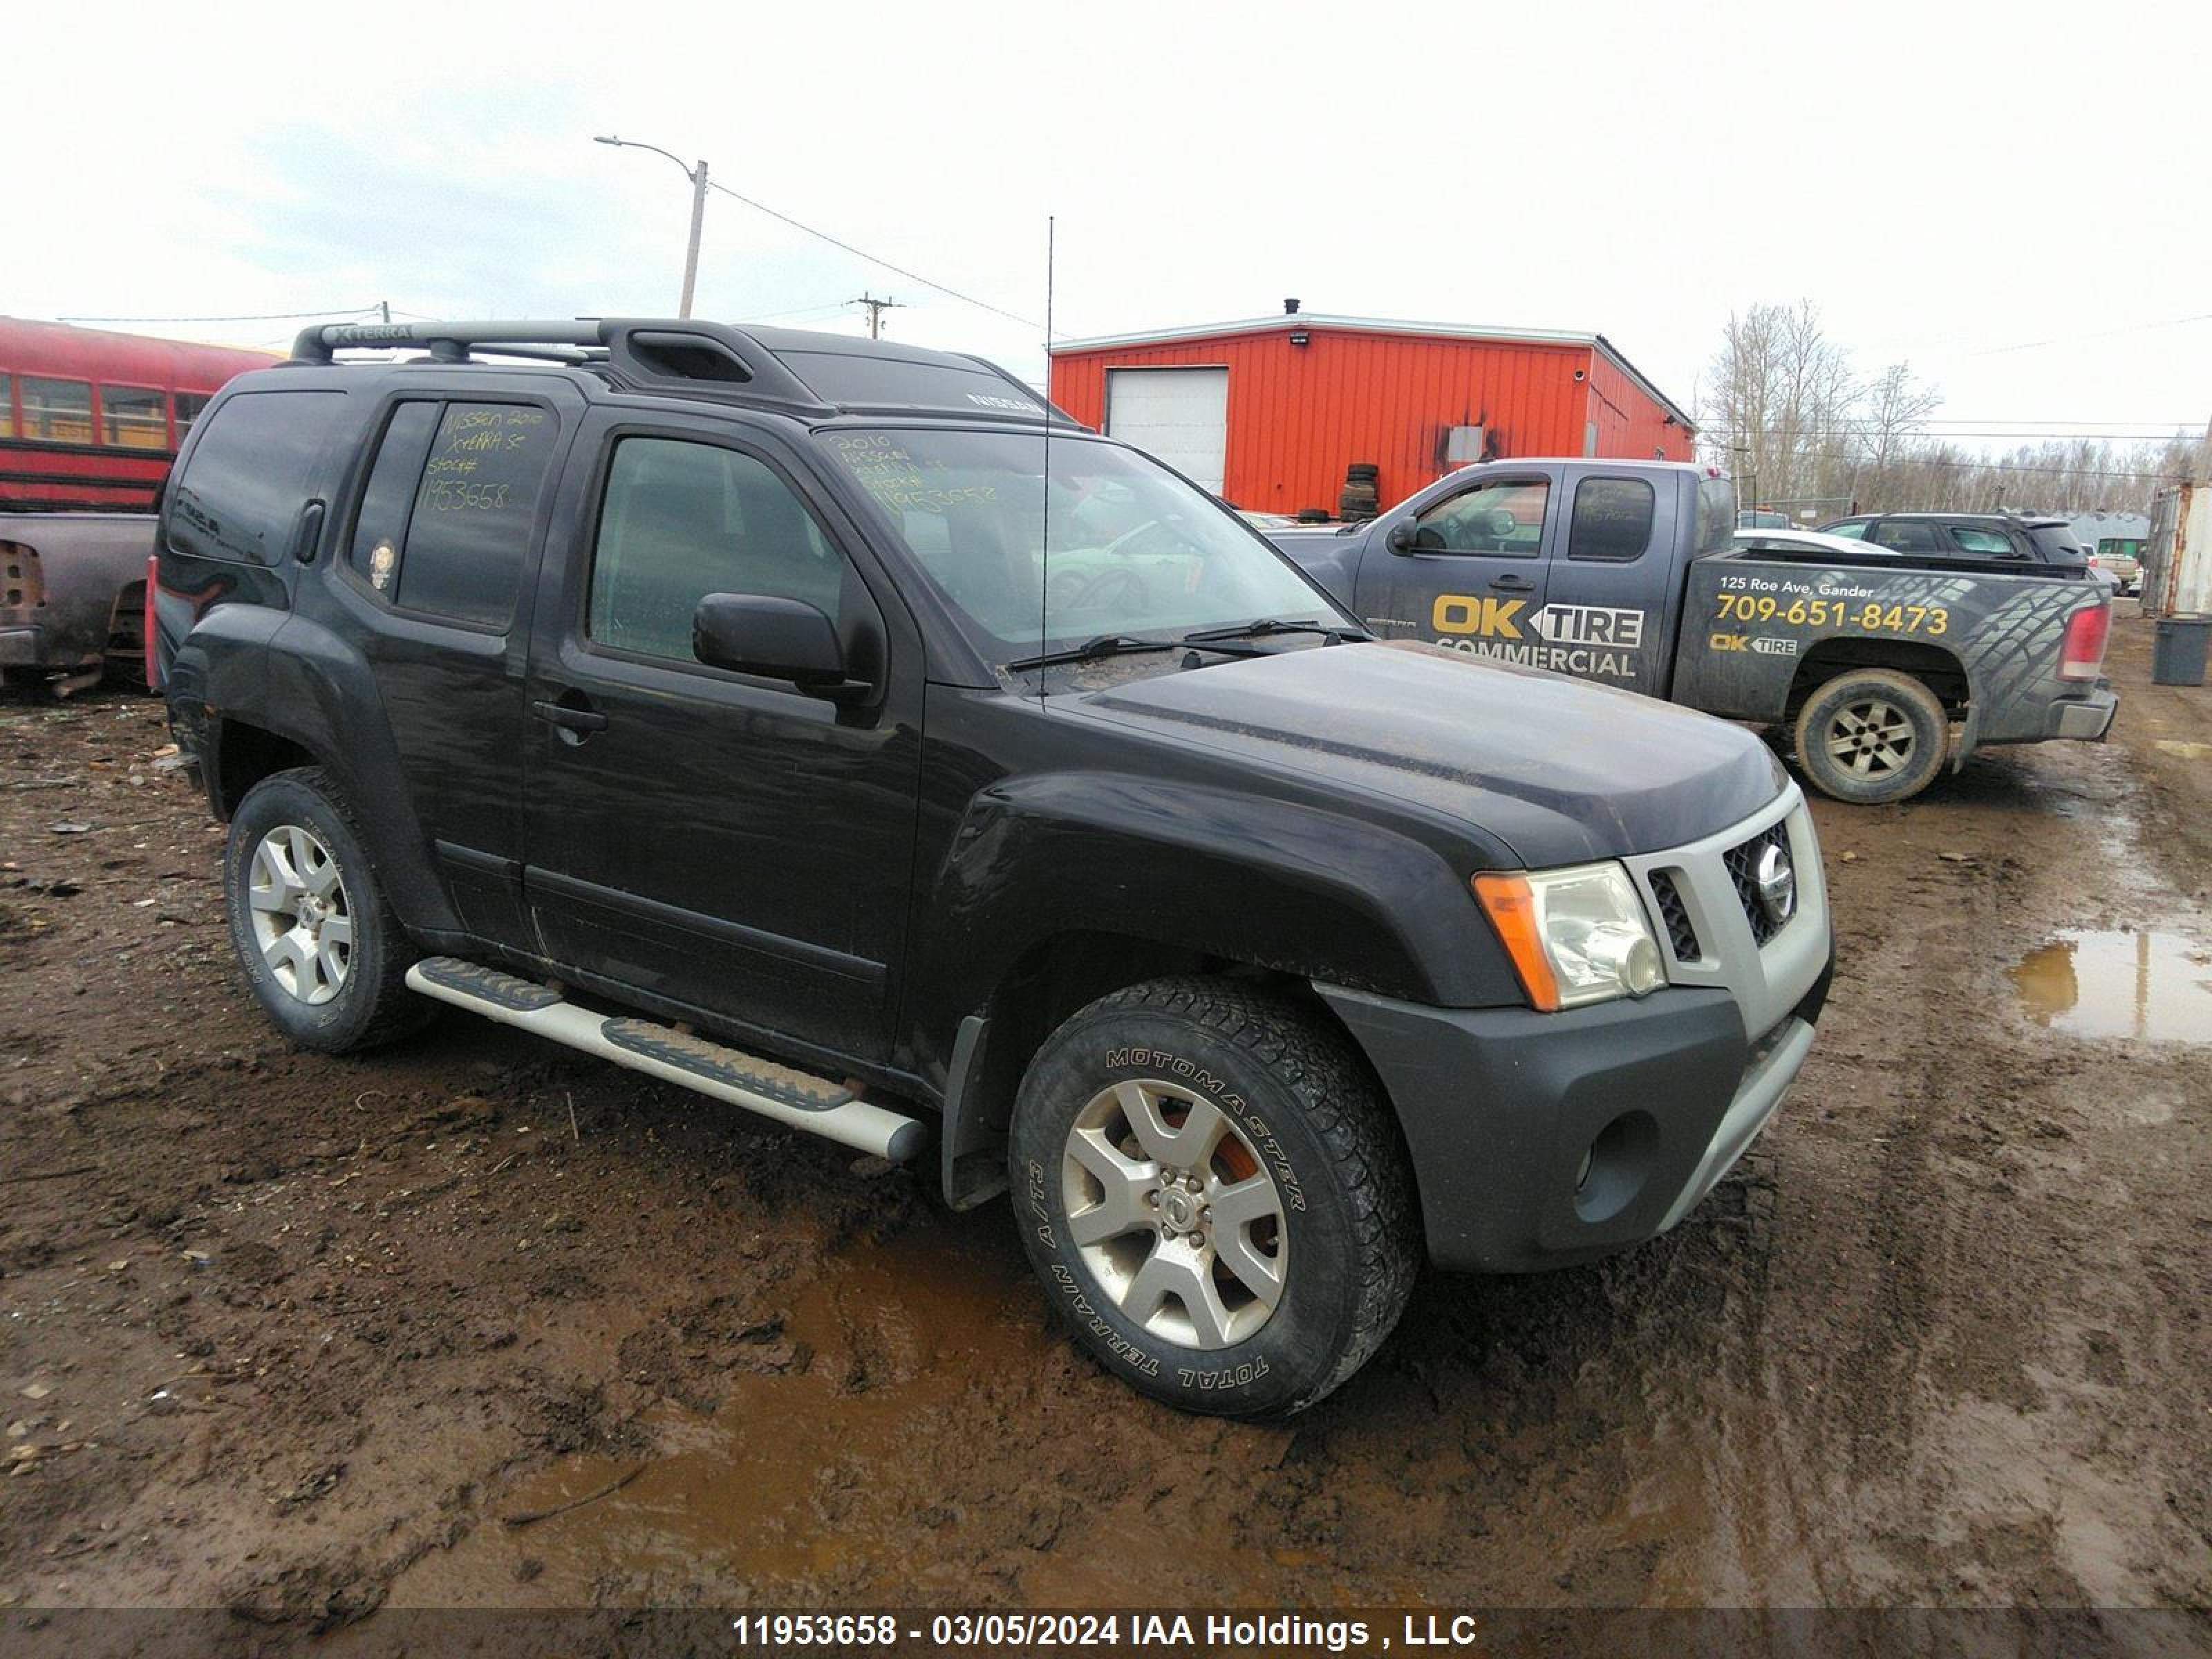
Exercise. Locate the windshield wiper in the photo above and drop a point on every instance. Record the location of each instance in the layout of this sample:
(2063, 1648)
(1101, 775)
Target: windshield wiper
(1103, 645)
(1333, 635)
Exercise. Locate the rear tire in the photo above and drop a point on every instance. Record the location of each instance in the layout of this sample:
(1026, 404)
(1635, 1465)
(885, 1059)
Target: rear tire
(1872, 736)
(1214, 1192)
(316, 940)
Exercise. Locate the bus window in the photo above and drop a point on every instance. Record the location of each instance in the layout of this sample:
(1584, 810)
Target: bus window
(132, 415)
(189, 405)
(7, 405)
(60, 410)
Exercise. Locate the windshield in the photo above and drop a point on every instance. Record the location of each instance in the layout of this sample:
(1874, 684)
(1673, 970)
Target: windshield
(1134, 550)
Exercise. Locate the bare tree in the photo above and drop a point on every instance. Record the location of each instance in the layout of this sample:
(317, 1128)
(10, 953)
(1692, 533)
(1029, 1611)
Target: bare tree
(1782, 392)
(1896, 411)
(1781, 407)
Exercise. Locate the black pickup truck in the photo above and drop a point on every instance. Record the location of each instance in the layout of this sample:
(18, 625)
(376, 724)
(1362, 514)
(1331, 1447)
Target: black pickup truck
(833, 729)
(1635, 574)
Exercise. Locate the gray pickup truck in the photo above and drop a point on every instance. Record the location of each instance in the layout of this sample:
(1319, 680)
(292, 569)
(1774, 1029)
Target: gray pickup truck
(1634, 574)
(73, 598)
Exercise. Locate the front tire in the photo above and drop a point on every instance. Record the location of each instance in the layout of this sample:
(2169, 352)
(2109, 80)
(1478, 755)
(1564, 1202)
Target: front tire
(1872, 736)
(1214, 1193)
(316, 940)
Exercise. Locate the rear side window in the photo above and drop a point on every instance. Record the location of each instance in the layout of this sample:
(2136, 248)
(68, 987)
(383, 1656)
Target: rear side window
(1715, 515)
(1613, 519)
(1992, 543)
(1905, 536)
(682, 520)
(447, 514)
(379, 529)
(254, 468)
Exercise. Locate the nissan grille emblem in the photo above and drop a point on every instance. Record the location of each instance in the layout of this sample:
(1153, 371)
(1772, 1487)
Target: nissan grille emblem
(1777, 882)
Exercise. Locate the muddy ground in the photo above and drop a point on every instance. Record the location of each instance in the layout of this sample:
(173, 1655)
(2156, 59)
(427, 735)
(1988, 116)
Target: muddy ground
(302, 1338)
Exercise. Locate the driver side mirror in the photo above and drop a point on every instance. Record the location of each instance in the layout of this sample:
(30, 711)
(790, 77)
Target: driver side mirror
(1401, 536)
(776, 639)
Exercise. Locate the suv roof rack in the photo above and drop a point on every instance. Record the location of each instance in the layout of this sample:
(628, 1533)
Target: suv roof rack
(797, 371)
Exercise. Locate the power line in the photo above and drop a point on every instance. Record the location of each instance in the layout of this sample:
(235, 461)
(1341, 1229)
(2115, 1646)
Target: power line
(1912, 434)
(249, 317)
(2099, 334)
(2050, 420)
(833, 308)
(911, 275)
(1907, 462)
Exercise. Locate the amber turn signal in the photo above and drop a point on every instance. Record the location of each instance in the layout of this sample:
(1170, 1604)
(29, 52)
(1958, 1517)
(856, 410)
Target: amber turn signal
(1511, 907)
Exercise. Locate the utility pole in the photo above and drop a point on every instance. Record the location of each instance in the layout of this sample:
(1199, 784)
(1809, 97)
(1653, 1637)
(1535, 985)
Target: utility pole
(692, 251)
(384, 307)
(876, 309)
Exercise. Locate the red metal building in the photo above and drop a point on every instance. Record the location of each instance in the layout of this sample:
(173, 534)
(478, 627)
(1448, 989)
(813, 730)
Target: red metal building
(1270, 412)
(91, 419)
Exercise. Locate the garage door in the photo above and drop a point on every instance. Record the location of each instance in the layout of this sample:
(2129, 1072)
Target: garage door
(1179, 415)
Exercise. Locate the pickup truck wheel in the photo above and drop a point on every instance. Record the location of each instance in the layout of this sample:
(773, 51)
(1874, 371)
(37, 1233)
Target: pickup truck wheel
(1872, 736)
(1215, 1196)
(319, 944)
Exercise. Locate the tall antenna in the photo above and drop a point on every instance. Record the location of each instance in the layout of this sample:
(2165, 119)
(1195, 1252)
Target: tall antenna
(1044, 560)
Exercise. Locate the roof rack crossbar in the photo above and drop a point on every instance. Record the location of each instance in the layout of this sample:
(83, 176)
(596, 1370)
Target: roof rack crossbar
(644, 351)
(316, 344)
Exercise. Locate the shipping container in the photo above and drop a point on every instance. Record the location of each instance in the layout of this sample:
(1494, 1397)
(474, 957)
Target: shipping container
(1271, 412)
(2177, 562)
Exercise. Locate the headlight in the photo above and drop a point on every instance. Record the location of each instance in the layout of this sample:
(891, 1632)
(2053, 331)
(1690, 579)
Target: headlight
(1575, 935)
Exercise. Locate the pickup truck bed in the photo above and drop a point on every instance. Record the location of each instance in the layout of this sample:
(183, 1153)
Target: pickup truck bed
(1987, 642)
(72, 597)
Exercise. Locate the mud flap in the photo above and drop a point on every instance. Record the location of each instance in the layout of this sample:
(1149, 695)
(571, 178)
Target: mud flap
(1969, 733)
(972, 1155)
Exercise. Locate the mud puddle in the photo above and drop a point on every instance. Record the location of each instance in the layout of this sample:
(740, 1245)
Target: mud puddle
(805, 1471)
(2123, 982)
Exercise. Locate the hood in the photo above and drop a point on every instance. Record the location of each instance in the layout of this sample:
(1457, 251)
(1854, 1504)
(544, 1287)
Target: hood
(1560, 770)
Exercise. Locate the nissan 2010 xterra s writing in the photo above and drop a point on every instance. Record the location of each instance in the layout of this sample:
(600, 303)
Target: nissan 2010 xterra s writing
(833, 729)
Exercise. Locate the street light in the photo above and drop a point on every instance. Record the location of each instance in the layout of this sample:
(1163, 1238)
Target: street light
(698, 178)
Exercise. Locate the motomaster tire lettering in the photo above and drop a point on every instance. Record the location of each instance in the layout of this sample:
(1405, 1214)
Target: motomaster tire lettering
(1158, 1059)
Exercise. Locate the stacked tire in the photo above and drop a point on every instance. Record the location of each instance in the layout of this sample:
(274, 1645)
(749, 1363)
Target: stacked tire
(1359, 500)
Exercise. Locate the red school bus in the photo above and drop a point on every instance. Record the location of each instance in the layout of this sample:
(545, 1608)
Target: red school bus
(89, 421)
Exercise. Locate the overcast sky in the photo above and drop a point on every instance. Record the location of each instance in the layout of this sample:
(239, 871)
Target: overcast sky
(1954, 184)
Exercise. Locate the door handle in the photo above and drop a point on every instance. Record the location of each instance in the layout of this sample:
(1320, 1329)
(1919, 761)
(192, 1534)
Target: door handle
(570, 717)
(1513, 584)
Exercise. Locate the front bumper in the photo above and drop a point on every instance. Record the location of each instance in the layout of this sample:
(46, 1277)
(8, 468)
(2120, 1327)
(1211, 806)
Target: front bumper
(2086, 717)
(1500, 1105)
(1539, 1141)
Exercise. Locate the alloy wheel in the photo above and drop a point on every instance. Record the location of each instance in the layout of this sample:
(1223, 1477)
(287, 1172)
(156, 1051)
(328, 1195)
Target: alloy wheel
(1871, 739)
(303, 919)
(1171, 1209)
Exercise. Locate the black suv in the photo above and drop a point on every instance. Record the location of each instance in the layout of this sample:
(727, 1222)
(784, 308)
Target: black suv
(836, 730)
(1978, 536)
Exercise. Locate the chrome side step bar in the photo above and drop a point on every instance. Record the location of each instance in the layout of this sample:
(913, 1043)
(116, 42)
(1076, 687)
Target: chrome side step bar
(792, 1098)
